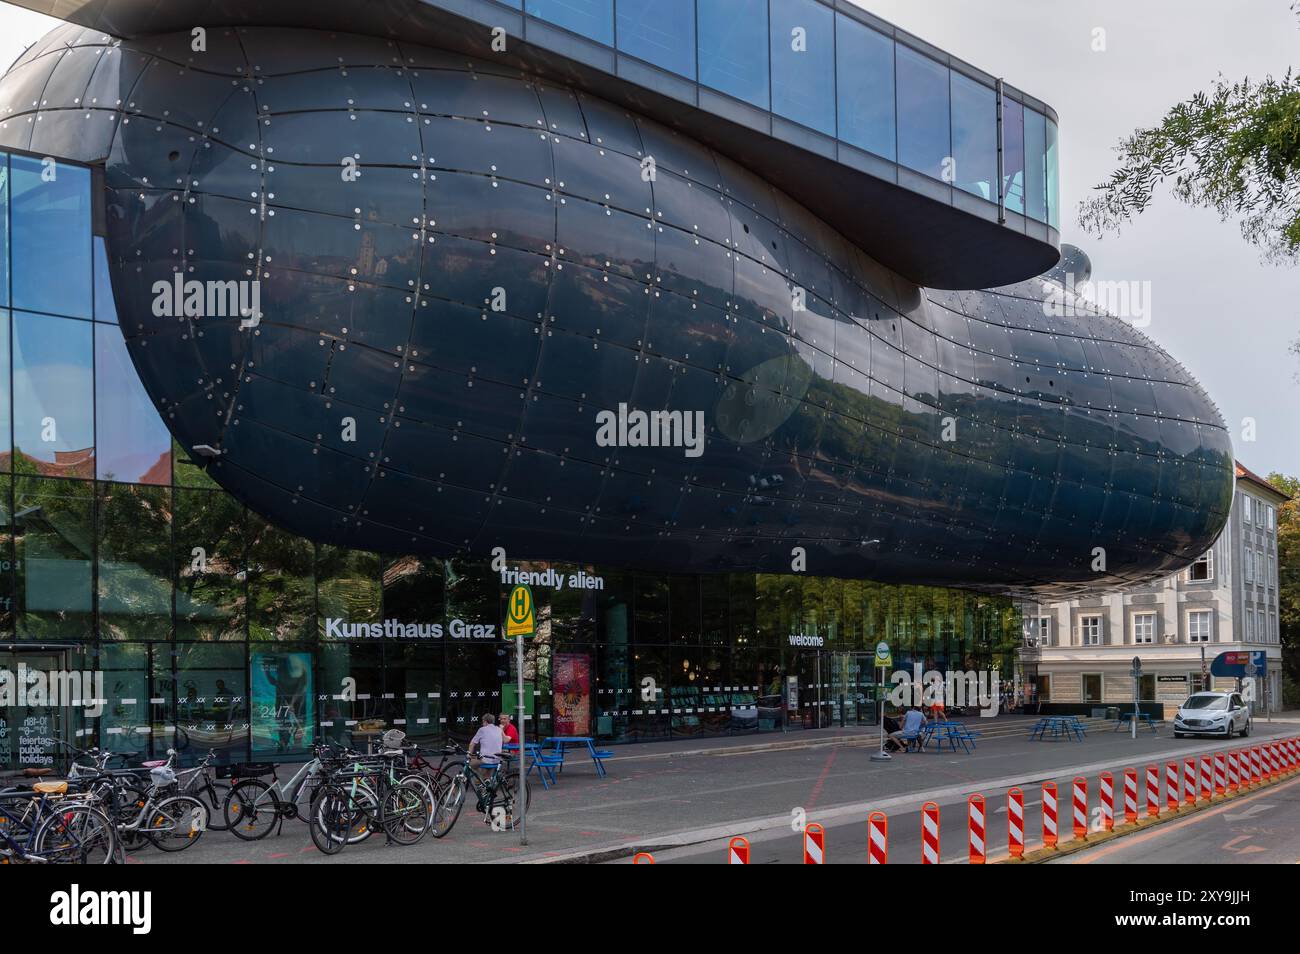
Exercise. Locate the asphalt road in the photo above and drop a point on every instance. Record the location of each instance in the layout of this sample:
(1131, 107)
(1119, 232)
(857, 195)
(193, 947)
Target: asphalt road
(1242, 829)
(1263, 828)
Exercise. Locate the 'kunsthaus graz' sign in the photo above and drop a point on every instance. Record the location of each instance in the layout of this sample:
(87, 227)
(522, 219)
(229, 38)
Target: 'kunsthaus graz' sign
(396, 629)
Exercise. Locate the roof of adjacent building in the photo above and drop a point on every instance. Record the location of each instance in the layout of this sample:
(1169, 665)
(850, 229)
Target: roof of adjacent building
(1245, 473)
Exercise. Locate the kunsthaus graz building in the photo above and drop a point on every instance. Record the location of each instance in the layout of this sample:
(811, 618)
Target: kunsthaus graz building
(728, 324)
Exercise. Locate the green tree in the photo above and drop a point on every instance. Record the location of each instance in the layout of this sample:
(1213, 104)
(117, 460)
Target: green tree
(1288, 579)
(1234, 148)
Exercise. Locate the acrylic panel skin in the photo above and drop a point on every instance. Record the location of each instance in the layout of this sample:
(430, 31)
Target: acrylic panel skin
(459, 268)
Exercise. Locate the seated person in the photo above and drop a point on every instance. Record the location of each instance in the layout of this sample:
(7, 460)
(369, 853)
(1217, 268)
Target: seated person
(913, 723)
(487, 742)
(894, 741)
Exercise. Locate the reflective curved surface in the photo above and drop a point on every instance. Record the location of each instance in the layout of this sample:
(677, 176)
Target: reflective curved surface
(468, 285)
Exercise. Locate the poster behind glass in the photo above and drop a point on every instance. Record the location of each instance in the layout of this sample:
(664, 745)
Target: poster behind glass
(281, 692)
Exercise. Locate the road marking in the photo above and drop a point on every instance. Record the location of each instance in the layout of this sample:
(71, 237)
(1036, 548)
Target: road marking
(1128, 841)
(1249, 813)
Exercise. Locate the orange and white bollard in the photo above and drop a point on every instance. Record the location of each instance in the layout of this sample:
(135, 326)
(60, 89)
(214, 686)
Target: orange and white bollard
(1233, 778)
(930, 833)
(814, 844)
(1049, 814)
(1130, 796)
(1189, 781)
(1107, 791)
(1220, 774)
(1275, 764)
(1153, 791)
(643, 858)
(1015, 823)
(877, 839)
(975, 826)
(1207, 778)
(1080, 814)
(1256, 766)
(738, 851)
(1172, 800)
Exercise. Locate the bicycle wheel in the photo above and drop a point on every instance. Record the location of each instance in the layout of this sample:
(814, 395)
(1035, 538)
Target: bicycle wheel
(407, 813)
(176, 822)
(448, 806)
(80, 835)
(330, 821)
(502, 811)
(251, 810)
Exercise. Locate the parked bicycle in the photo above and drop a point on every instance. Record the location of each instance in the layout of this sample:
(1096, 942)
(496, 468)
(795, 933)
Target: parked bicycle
(496, 790)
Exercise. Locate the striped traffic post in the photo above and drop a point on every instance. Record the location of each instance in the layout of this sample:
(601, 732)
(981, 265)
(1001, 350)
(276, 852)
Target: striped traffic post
(1207, 780)
(738, 851)
(877, 839)
(1049, 814)
(1130, 796)
(1172, 800)
(1153, 791)
(1274, 759)
(1270, 762)
(975, 825)
(1220, 774)
(643, 858)
(930, 833)
(1256, 766)
(1232, 772)
(1189, 781)
(1080, 814)
(814, 844)
(1015, 823)
(1107, 801)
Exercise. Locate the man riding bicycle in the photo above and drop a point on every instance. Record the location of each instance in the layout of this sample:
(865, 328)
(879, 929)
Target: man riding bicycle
(488, 741)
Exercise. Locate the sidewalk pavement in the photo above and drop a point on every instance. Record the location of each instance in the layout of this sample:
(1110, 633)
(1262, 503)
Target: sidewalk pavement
(673, 793)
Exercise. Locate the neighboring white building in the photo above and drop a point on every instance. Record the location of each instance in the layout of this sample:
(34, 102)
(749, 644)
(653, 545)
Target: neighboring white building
(1225, 601)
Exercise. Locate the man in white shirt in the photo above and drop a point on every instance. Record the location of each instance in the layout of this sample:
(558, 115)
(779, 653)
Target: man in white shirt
(488, 741)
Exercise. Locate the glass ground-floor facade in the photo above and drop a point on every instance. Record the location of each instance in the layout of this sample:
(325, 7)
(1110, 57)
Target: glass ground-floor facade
(253, 665)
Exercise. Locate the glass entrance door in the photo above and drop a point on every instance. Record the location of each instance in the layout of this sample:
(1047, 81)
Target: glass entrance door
(850, 689)
(30, 721)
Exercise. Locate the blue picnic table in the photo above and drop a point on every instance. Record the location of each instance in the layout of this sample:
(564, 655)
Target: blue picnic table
(539, 760)
(954, 733)
(560, 743)
(1144, 718)
(1057, 727)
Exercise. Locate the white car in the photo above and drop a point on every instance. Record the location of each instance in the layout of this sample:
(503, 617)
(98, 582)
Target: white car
(1212, 713)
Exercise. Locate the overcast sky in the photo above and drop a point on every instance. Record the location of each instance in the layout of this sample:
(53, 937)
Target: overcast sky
(1226, 316)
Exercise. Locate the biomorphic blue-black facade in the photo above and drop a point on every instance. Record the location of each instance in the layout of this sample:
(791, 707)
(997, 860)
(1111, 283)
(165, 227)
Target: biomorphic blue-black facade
(455, 271)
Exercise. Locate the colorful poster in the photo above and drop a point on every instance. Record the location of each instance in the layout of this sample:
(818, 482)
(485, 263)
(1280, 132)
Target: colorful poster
(280, 695)
(571, 685)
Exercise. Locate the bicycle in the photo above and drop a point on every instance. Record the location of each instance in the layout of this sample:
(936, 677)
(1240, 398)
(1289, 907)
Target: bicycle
(252, 807)
(54, 828)
(497, 796)
(163, 817)
(199, 782)
(368, 797)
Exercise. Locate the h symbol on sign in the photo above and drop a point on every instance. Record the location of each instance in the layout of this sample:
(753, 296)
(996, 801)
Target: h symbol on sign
(521, 605)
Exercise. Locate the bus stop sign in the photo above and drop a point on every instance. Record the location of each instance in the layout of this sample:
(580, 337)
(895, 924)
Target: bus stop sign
(521, 615)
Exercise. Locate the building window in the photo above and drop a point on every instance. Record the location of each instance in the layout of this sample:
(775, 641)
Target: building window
(733, 48)
(661, 32)
(1144, 627)
(1090, 630)
(1271, 575)
(865, 87)
(1092, 687)
(1248, 564)
(1043, 686)
(1250, 626)
(803, 76)
(1203, 569)
(590, 18)
(1261, 632)
(1038, 631)
(1245, 509)
(1198, 626)
(924, 134)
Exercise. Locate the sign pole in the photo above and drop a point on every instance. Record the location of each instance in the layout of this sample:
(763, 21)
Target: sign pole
(1137, 692)
(521, 622)
(883, 660)
(522, 807)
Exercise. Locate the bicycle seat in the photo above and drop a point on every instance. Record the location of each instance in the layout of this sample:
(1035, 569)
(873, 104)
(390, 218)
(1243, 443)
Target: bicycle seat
(154, 763)
(50, 788)
(37, 772)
